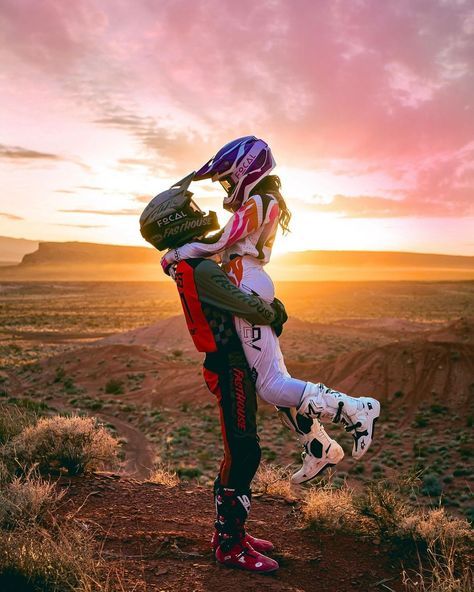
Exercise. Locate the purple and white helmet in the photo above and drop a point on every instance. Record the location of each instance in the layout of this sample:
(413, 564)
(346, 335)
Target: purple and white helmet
(238, 166)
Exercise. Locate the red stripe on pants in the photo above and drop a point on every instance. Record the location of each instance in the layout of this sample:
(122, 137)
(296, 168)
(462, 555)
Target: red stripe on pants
(212, 381)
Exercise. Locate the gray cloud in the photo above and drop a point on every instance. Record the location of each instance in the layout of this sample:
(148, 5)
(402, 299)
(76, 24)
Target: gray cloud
(10, 216)
(24, 154)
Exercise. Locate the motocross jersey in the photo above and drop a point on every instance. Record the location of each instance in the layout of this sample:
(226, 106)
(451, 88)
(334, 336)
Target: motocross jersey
(210, 301)
(250, 232)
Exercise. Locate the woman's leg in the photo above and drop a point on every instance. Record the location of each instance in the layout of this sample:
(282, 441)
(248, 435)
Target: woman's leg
(276, 386)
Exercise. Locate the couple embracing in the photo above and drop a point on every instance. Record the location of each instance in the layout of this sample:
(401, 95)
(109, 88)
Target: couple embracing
(234, 318)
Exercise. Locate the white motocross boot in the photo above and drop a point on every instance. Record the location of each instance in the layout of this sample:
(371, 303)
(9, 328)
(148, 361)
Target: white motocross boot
(320, 451)
(358, 415)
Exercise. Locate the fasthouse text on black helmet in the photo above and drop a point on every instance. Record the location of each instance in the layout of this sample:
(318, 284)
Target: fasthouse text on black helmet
(172, 218)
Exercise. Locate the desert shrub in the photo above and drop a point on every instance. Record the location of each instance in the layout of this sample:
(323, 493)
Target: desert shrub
(431, 486)
(12, 420)
(25, 500)
(385, 506)
(420, 421)
(60, 374)
(330, 508)
(272, 480)
(435, 526)
(5, 473)
(447, 539)
(114, 387)
(164, 476)
(189, 472)
(77, 444)
(40, 560)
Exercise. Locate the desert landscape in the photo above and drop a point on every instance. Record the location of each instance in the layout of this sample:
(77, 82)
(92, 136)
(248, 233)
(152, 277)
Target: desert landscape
(120, 352)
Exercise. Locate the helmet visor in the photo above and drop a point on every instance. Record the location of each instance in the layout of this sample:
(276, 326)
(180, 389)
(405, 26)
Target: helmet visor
(228, 184)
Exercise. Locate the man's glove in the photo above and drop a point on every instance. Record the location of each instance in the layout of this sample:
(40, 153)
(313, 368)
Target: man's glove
(280, 316)
(169, 259)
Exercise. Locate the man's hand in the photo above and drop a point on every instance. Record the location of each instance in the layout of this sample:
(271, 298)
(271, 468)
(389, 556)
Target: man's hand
(280, 316)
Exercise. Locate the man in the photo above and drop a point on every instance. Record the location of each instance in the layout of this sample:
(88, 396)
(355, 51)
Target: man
(209, 302)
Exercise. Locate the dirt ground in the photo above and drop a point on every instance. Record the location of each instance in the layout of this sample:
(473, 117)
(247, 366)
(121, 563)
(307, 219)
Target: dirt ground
(157, 539)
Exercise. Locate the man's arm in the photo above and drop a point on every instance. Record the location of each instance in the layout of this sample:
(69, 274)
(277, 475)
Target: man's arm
(215, 288)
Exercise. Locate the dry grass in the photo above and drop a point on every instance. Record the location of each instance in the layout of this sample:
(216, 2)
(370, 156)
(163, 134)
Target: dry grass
(274, 481)
(63, 560)
(436, 526)
(77, 444)
(384, 504)
(440, 541)
(445, 573)
(164, 476)
(13, 420)
(27, 500)
(5, 474)
(332, 508)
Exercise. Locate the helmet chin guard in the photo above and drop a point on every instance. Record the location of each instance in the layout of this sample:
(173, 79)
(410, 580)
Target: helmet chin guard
(238, 166)
(172, 218)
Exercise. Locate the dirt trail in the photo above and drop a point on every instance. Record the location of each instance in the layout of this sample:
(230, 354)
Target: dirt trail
(159, 539)
(139, 455)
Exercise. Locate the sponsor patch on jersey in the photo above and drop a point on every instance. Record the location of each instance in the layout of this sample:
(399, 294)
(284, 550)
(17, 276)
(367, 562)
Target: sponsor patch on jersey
(252, 335)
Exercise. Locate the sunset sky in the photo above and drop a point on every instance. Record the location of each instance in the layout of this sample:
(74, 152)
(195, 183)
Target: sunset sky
(367, 105)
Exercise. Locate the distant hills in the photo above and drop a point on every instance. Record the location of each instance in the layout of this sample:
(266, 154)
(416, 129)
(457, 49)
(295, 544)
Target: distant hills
(90, 261)
(12, 250)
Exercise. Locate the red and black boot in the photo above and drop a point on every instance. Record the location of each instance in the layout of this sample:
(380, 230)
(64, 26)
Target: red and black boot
(261, 545)
(234, 548)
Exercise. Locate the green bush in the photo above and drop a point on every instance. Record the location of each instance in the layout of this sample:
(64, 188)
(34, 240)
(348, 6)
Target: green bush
(114, 387)
(431, 486)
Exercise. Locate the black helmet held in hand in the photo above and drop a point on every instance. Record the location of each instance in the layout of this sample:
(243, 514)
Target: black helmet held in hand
(172, 218)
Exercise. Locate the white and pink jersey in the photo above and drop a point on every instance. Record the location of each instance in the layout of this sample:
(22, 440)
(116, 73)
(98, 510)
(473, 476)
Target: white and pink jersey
(250, 232)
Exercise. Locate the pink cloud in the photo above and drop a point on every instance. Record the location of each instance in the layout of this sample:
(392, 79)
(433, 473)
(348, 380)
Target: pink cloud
(383, 86)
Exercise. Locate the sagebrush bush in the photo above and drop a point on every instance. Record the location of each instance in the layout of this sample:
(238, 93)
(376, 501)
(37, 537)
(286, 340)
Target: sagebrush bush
(77, 444)
(27, 500)
(272, 480)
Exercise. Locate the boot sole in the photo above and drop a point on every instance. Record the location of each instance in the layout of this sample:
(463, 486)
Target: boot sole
(326, 466)
(263, 572)
(374, 421)
(321, 471)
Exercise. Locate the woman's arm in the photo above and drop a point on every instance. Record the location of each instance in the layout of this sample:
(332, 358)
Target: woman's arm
(245, 221)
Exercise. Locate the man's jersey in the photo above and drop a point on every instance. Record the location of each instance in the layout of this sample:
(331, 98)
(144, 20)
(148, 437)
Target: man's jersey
(210, 300)
(251, 231)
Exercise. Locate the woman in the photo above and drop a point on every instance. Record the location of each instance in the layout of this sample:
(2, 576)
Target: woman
(244, 244)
